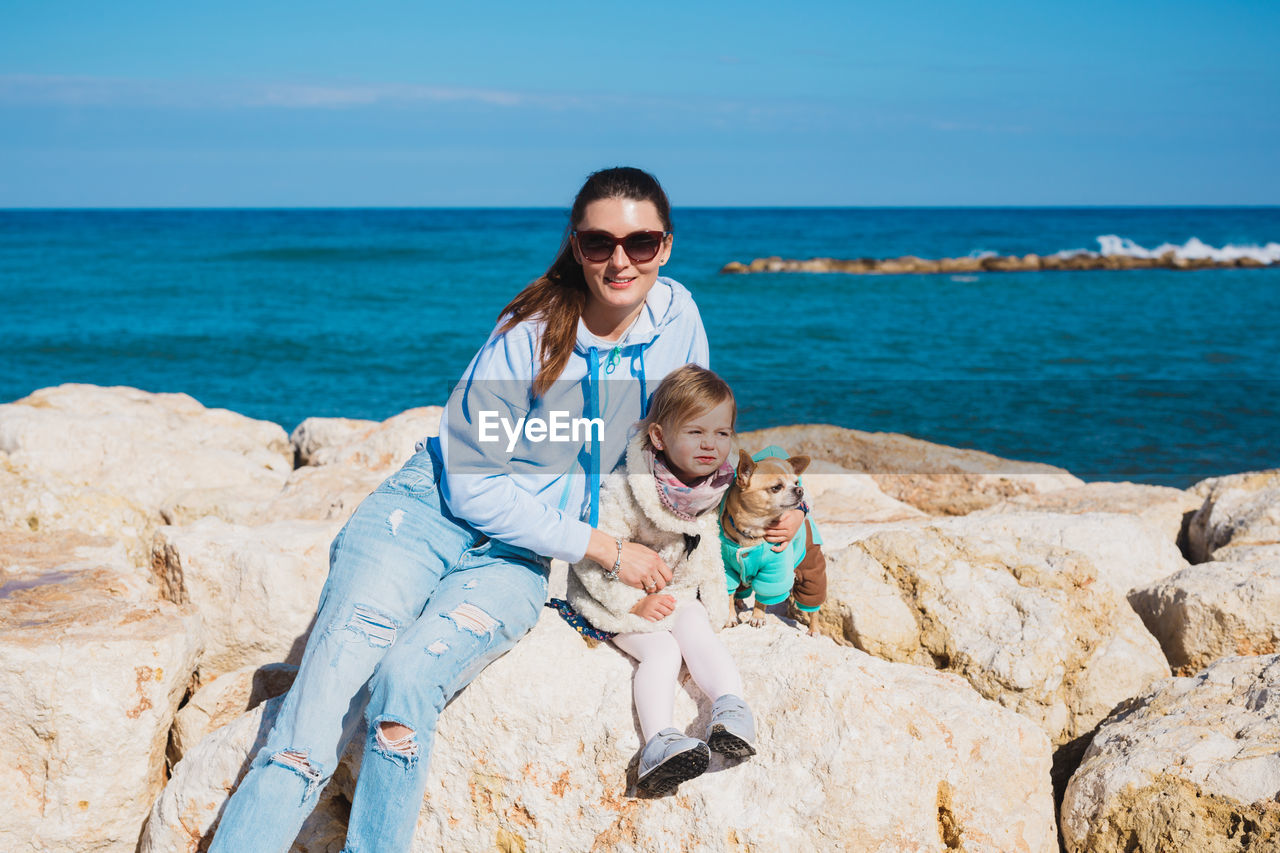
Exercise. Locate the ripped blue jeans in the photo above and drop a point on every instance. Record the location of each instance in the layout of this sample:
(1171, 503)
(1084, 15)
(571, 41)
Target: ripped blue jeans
(416, 604)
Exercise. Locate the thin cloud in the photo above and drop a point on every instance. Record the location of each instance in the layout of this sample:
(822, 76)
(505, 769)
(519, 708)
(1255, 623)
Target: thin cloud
(773, 114)
(34, 89)
(977, 127)
(358, 95)
(56, 90)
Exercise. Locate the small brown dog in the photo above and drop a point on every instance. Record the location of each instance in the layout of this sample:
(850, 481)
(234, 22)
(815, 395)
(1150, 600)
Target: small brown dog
(764, 489)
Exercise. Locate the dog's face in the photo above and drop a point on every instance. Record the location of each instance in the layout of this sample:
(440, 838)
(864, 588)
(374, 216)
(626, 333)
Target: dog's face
(764, 490)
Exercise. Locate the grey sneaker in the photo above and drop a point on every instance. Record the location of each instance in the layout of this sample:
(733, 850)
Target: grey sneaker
(732, 729)
(668, 759)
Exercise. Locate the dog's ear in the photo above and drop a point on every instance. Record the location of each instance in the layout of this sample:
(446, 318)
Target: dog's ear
(745, 468)
(799, 463)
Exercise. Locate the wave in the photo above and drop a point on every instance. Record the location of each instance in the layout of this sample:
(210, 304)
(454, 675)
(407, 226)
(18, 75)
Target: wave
(1113, 245)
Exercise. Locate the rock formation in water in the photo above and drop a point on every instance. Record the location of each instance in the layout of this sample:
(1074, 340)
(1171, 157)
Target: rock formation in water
(911, 265)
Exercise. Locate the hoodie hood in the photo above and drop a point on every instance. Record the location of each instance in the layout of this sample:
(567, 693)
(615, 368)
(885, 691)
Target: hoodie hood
(666, 299)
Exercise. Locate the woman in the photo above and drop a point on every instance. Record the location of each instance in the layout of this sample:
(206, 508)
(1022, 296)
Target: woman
(444, 567)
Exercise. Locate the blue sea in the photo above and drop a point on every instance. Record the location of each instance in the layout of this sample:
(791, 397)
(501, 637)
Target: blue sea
(1155, 376)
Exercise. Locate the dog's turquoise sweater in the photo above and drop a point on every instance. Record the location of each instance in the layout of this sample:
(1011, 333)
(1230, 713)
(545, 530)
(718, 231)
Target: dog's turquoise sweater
(768, 573)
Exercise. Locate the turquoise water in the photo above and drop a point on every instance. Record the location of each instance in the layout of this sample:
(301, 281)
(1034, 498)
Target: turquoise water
(1152, 375)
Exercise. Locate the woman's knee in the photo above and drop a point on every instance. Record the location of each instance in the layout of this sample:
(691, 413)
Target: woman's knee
(407, 679)
(395, 739)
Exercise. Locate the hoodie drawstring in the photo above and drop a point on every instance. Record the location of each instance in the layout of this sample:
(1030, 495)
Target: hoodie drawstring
(593, 447)
(644, 396)
(593, 411)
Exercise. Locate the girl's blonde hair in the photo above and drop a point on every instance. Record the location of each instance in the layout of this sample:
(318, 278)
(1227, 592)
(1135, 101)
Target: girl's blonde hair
(684, 394)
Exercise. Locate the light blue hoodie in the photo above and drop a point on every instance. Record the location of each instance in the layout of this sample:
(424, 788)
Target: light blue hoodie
(534, 493)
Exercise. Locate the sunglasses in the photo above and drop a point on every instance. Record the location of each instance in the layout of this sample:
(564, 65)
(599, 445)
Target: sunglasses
(640, 246)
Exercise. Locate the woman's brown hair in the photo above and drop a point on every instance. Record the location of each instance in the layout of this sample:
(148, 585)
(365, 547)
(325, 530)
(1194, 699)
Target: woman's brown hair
(559, 295)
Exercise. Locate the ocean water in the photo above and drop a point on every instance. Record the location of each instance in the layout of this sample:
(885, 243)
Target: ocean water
(1155, 376)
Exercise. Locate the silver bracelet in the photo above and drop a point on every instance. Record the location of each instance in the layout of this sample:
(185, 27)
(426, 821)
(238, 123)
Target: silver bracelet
(612, 574)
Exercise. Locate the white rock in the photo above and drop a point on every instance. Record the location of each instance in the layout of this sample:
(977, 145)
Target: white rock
(121, 451)
(222, 700)
(331, 492)
(937, 479)
(32, 556)
(343, 461)
(1194, 764)
(315, 434)
(35, 502)
(92, 667)
(1247, 553)
(1242, 510)
(840, 495)
(1128, 551)
(376, 446)
(1213, 610)
(190, 804)
(1161, 506)
(1029, 608)
(147, 446)
(875, 614)
(854, 753)
(1250, 481)
(256, 588)
(839, 534)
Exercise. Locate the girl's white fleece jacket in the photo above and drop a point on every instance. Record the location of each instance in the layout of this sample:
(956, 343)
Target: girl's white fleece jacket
(630, 508)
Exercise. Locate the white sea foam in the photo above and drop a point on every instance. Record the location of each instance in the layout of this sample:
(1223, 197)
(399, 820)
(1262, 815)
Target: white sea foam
(1193, 249)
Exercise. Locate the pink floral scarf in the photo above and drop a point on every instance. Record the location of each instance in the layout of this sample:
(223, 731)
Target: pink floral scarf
(688, 502)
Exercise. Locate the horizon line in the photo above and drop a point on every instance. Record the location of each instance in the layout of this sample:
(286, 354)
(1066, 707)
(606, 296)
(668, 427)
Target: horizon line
(558, 208)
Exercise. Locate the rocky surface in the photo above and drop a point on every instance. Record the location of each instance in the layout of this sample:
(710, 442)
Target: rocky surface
(1166, 508)
(911, 265)
(92, 668)
(256, 588)
(372, 445)
(855, 753)
(223, 699)
(1213, 610)
(934, 478)
(1029, 608)
(168, 548)
(1240, 517)
(184, 815)
(114, 461)
(1193, 764)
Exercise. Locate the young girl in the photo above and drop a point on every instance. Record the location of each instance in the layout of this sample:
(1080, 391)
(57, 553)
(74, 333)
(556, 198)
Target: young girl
(676, 471)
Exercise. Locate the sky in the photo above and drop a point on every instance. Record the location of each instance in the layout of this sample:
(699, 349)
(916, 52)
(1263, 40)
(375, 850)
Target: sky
(399, 103)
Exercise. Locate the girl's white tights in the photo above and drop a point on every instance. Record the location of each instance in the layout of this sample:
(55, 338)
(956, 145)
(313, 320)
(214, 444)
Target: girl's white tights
(659, 654)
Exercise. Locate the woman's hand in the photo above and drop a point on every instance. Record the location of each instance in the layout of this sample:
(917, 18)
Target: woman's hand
(786, 528)
(654, 607)
(641, 567)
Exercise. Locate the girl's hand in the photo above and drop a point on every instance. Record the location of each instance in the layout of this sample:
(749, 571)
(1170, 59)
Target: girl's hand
(786, 528)
(654, 607)
(641, 568)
